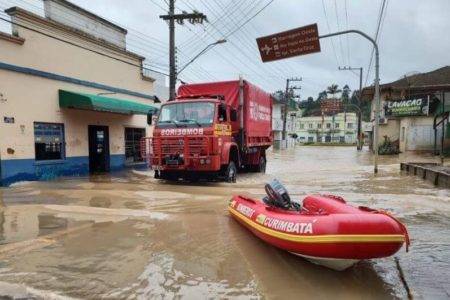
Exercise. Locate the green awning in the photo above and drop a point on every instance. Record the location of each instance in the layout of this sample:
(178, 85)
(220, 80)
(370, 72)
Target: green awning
(77, 100)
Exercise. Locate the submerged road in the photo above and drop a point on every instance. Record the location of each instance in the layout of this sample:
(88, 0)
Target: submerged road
(134, 237)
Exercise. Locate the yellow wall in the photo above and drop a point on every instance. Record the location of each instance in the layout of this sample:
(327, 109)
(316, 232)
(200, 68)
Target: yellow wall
(30, 98)
(33, 99)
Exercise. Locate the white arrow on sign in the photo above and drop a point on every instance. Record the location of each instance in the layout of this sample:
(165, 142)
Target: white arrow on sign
(266, 49)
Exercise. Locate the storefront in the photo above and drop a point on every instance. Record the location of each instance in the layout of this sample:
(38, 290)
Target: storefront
(67, 109)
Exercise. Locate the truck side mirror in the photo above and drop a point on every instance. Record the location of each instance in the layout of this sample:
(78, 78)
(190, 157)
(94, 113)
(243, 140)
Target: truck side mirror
(233, 115)
(149, 118)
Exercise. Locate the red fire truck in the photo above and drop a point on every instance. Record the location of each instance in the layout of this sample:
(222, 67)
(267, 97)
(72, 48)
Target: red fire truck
(211, 130)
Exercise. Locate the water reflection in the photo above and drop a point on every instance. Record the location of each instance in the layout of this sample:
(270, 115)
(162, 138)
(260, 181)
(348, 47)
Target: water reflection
(49, 223)
(100, 202)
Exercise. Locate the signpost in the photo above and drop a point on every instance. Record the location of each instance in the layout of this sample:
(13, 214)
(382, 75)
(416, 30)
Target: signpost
(330, 105)
(299, 41)
(305, 40)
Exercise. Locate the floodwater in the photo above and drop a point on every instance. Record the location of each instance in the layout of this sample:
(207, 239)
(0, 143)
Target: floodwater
(134, 237)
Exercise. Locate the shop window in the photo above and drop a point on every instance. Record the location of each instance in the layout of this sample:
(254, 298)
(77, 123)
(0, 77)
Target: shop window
(48, 141)
(133, 138)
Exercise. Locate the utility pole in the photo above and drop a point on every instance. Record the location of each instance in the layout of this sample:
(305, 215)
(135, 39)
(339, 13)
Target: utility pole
(171, 17)
(286, 104)
(359, 144)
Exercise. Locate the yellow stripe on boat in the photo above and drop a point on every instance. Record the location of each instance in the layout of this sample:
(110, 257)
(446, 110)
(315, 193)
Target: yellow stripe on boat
(329, 238)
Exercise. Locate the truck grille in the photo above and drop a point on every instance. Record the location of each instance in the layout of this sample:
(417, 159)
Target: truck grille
(188, 146)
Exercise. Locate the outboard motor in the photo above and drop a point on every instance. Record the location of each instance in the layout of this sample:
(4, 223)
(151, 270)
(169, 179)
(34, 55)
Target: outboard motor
(277, 196)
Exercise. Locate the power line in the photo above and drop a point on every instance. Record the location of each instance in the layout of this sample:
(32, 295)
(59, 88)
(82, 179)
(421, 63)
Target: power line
(329, 30)
(339, 29)
(227, 25)
(380, 17)
(226, 16)
(347, 36)
(76, 45)
(220, 32)
(248, 59)
(157, 4)
(137, 41)
(251, 18)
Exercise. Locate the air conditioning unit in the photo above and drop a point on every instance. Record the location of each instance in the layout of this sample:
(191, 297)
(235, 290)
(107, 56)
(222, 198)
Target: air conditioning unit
(384, 120)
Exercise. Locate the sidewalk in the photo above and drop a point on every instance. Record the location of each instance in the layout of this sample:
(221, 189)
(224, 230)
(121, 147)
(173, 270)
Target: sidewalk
(433, 172)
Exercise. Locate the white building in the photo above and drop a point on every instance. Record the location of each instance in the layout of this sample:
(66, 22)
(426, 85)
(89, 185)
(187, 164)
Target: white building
(73, 99)
(342, 128)
(277, 122)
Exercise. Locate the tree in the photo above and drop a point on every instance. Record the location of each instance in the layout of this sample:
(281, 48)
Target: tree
(333, 89)
(345, 94)
(322, 95)
(279, 95)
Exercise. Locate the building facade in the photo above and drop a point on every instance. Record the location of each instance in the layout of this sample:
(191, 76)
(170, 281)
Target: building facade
(73, 100)
(413, 111)
(340, 128)
(278, 119)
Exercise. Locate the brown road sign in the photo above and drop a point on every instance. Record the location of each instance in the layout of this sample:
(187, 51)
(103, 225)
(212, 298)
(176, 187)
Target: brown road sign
(299, 41)
(330, 105)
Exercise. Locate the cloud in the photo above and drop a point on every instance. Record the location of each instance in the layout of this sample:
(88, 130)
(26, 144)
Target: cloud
(413, 38)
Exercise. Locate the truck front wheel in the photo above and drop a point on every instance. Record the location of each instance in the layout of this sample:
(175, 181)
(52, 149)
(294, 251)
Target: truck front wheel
(262, 165)
(167, 175)
(230, 173)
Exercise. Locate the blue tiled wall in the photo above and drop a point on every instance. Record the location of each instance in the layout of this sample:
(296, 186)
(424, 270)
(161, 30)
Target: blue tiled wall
(15, 170)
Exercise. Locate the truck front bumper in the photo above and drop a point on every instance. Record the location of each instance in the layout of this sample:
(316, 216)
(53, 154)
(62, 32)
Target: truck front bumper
(194, 163)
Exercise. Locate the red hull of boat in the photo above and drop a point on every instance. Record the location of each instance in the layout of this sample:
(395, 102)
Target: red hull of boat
(327, 228)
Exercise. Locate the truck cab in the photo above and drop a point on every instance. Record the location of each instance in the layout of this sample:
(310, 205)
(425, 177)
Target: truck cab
(193, 137)
(211, 130)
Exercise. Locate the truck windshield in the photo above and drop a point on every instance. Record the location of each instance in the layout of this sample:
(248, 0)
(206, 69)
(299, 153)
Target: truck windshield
(188, 114)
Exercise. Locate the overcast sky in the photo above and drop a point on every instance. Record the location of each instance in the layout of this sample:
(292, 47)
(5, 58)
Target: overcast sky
(414, 37)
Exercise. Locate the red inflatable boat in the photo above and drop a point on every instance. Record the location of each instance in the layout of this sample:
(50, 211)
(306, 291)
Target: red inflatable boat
(326, 230)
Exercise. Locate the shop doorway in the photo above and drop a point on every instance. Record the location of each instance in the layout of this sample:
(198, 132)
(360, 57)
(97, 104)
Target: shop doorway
(98, 149)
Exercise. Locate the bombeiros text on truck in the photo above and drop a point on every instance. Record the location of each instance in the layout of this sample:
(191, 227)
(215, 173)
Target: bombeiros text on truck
(211, 130)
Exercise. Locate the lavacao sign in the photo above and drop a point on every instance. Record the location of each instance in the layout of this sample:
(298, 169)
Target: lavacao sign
(407, 107)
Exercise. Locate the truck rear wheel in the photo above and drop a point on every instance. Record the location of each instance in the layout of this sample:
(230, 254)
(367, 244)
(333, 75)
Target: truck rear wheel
(230, 173)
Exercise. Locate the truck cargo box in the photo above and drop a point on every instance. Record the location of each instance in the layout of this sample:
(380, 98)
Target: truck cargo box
(254, 108)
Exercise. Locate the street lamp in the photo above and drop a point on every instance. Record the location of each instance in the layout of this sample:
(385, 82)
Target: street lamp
(200, 53)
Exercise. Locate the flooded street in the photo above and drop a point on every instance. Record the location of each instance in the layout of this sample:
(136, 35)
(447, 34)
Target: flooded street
(134, 237)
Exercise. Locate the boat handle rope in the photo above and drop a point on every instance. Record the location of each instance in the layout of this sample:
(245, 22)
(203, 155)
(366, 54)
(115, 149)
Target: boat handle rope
(403, 227)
